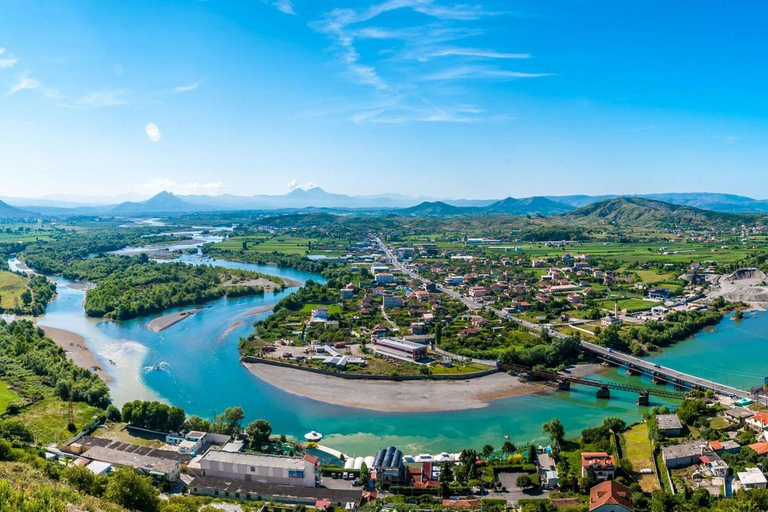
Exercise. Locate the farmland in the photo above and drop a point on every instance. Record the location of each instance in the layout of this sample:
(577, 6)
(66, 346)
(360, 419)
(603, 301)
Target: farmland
(11, 288)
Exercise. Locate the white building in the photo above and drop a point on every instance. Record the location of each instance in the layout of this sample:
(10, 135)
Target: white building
(270, 469)
(751, 478)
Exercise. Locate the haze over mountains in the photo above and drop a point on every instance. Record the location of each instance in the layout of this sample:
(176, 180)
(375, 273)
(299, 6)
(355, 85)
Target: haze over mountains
(166, 202)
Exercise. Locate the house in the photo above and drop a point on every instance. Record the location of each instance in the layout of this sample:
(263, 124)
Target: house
(384, 278)
(610, 320)
(159, 464)
(758, 421)
(547, 471)
(319, 314)
(454, 280)
(478, 291)
(683, 454)
(729, 446)
(657, 293)
(738, 415)
(601, 463)
(760, 448)
(610, 496)
(751, 478)
(669, 424)
(392, 301)
(252, 467)
(346, 293)
(715, 464)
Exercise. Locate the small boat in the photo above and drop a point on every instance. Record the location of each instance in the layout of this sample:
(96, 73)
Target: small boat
(112, 362)
(506, 436)
(313, 436)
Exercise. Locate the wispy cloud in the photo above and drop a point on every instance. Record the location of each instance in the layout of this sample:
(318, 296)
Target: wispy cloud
(479, 72)
(472, 52)
(99, 99)
(153, 132)
(284, 6)
(25, 83)
(7, 60)
(168, 185)
(405, 63)
(187, 88)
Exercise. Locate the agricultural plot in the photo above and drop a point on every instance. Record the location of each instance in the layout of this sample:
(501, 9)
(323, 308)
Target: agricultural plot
(11, 287)
(639, 452)
(284, 244)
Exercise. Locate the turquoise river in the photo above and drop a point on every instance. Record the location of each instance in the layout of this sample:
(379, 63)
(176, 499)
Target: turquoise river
(199, 370)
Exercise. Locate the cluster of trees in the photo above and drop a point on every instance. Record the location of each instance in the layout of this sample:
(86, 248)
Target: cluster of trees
(137, 286)
(61, 255)
(549, 354)
(37, 367)
(154, 415)
(280, 259)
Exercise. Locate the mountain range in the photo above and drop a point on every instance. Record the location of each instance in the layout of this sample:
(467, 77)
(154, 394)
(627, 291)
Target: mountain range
(166, 202)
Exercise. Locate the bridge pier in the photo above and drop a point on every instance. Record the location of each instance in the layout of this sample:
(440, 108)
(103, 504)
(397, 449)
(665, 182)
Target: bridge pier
(564, 385)
(658, 380)
(633, 371)
(643, 399)
(603, 392)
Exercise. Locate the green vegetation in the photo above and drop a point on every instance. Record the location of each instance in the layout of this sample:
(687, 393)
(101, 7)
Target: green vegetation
(7, 397)
(153, 415)
(638, 450)
(137, 286)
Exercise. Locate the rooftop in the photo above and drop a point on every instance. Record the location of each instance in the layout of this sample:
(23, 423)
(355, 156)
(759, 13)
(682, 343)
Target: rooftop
(668, 422)
(689, 449)
(610, 493)
(254, 459)
(752, 476)
(285, 493)
(123, 458)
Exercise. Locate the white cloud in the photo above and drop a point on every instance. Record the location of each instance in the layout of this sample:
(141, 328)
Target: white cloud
(153, 132)
(8, 61)
(284, 6)
(169, 185)
(24, 83)
(472, 52)
(294, 185)
(102, 99)
(187, 88)
(478, 72)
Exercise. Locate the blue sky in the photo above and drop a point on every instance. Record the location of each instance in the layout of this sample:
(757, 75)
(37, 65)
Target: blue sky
(421, 97)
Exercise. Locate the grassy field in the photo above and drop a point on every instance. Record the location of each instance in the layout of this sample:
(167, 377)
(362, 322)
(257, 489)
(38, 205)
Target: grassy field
(11, 287)
(678, 253)
(457, 369)
(284, 244)
(48, 419)
(115, 432)
(653, 277)
(333, 309)
(639, 452)
(7, 397)
(630, 305)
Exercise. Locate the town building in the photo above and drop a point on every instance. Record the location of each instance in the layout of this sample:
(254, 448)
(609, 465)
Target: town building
(160, 466)
(400, 348)
(669, 424)
(683, 455)
(384, 278)
(610, 496)
(603, 464)
(392, 301)
(751, 478)
(547, 471)
(268, 469)
(389, 466)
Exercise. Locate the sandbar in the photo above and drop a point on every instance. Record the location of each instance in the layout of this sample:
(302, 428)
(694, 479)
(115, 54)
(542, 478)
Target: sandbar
(163, 322)
(77, 350)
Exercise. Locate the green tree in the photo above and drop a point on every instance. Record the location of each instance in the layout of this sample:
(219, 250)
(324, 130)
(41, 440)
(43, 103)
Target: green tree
(365, 475)
(229, 422)
(487, 451)
(524, 481)
(555, 430)
(508, 447)
(258, 432)
(132, 491)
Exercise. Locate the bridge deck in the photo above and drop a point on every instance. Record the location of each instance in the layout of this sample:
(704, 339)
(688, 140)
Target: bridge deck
(668, 374)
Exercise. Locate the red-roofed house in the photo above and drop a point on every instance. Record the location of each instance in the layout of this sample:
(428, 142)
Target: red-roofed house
(610, 496)
(759, 421)
(760, 448)
(472, 504)
(603, 464)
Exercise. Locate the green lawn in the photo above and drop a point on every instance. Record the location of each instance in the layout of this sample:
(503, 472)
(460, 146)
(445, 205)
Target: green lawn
(284, 244)
(639, 452)
(11, 287)
(630, 305)
(333, 309)
(7, 397)
(48, 419)
(653, 277)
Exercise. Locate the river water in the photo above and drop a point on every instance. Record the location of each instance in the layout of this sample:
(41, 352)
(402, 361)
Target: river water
(194, 364)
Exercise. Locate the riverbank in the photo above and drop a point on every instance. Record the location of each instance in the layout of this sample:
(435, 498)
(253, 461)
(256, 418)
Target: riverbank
(163, 322)
(77, 350)
(392, 396)
(291, 283)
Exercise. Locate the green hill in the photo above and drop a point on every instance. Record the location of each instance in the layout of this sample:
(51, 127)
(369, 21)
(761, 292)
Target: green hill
(642, 212)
